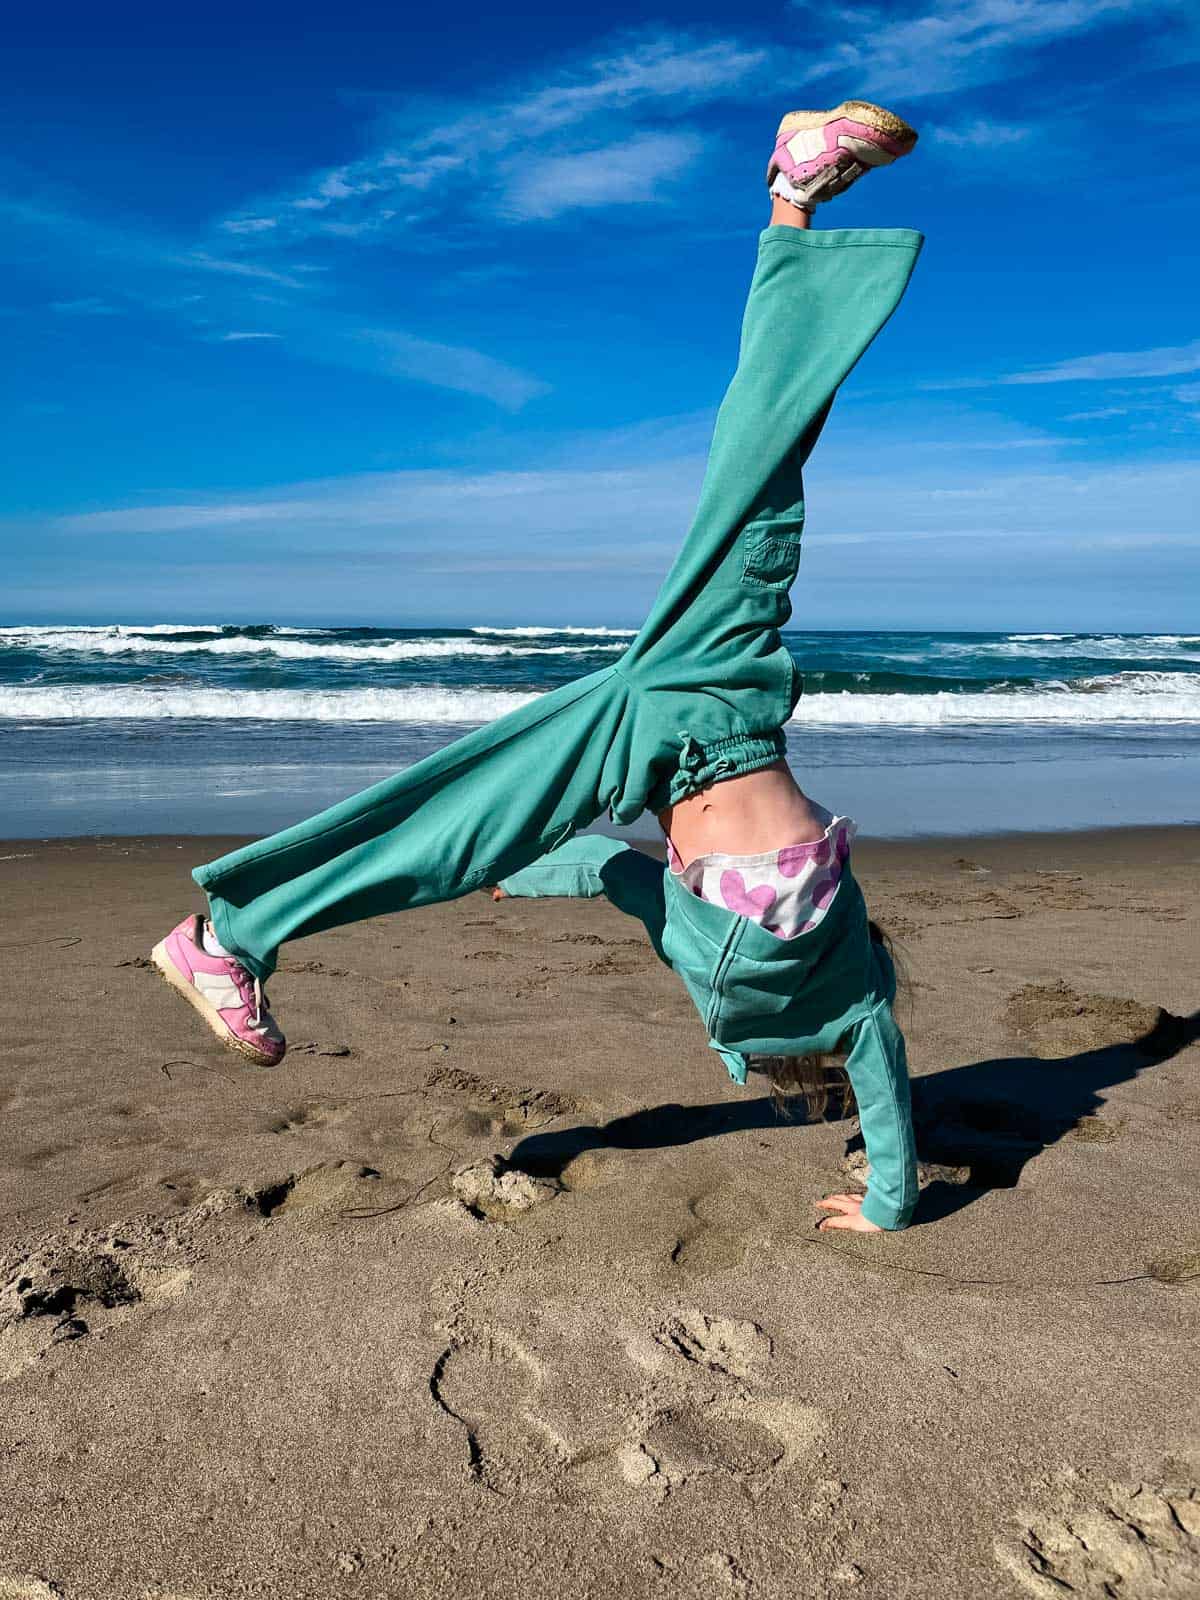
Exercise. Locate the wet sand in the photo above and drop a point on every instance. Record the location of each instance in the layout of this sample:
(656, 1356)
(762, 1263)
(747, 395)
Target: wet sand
(262, 1335)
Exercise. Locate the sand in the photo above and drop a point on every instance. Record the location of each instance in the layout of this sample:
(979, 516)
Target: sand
(498, 1287)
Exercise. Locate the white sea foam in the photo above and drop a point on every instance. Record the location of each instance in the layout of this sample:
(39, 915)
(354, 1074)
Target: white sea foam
(540, 633)
(1129, 697)
(88, 630)
(157, 702)
(1146, 697)
(124, 643)
(1075, 646)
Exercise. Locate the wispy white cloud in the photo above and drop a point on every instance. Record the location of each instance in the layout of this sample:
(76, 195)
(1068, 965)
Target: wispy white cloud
(629, 172)
(584, 133)
(978, 134)
(573, 136)
(419, 511)
(640, 503)
(1004, 543)
(249, 225)
(134, 249)
(599, 131)
(1165, 361)
(1038, 442)
(90, 306)
(1135, 541)
(157, 275)
(1058, 503)
(653, 70)
(952, 44)
(1105, 366)
(204, 262)
(603, 97)
(450, 366)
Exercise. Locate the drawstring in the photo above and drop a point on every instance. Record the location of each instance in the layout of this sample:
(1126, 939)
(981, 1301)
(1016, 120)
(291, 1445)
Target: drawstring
(691, 757)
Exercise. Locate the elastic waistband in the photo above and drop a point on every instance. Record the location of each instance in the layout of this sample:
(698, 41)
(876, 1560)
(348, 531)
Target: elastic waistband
(703, 764)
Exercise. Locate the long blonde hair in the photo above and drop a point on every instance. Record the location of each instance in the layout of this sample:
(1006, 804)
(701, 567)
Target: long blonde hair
(809, 1083)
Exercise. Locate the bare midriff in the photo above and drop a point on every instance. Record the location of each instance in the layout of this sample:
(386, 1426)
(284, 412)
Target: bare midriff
(743, 816)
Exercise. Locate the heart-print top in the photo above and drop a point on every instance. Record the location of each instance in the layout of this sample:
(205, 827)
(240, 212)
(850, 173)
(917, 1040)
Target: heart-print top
(786, 891)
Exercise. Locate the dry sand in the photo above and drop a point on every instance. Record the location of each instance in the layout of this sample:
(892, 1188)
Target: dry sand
(258, 1339)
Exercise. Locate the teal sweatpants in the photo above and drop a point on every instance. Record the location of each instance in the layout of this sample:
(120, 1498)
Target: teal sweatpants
(702, 693)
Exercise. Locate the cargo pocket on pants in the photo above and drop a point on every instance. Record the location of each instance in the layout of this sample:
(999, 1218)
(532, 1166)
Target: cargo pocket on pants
(772, 556)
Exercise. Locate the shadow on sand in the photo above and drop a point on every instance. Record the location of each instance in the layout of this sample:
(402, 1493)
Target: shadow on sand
(992, 1116)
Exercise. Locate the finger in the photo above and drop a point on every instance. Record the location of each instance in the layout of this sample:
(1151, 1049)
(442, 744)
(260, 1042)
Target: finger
(841, 1202)
(498, 894)
(828, 1223)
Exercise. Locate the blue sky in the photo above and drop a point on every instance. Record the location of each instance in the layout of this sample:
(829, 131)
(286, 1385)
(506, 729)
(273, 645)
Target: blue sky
(333, 315)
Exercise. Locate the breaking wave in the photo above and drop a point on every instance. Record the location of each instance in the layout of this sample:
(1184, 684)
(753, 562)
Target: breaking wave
(1142, 697)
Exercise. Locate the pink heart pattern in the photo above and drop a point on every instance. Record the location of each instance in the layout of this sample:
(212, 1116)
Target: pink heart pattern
(794, 886)
(752, 903)
(793, 858)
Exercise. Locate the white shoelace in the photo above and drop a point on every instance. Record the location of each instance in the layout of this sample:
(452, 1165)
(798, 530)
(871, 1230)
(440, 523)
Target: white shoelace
(261, 1020)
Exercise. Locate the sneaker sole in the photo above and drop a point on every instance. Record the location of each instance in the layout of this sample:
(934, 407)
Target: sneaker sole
(865, 111)
(170, 973)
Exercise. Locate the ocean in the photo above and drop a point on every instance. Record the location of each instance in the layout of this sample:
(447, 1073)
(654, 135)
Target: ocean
(121, 728)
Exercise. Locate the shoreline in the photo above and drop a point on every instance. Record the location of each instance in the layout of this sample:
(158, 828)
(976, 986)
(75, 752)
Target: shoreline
(892, 789)
(17, 846)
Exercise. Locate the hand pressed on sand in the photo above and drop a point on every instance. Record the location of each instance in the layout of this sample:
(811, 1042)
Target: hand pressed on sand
(849, 1214)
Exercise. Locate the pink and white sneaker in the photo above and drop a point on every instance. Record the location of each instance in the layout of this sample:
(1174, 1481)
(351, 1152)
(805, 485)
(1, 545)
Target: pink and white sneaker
(819, 154)
(227, 996)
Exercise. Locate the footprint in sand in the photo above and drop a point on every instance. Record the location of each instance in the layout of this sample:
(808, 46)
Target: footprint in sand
(689, 1440)
(1057, 1020)
(1134, 1541)
(315, 969)
(719, 1230)
(68, 1285)
(747, 1440)
(701, 1420)
(335, 1186)
(519, 1107)
(64, 1286)
(487, 1384)
(738, 1349)
(312, 1114)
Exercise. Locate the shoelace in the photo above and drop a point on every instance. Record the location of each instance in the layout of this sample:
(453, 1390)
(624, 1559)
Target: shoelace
(260, 1022)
